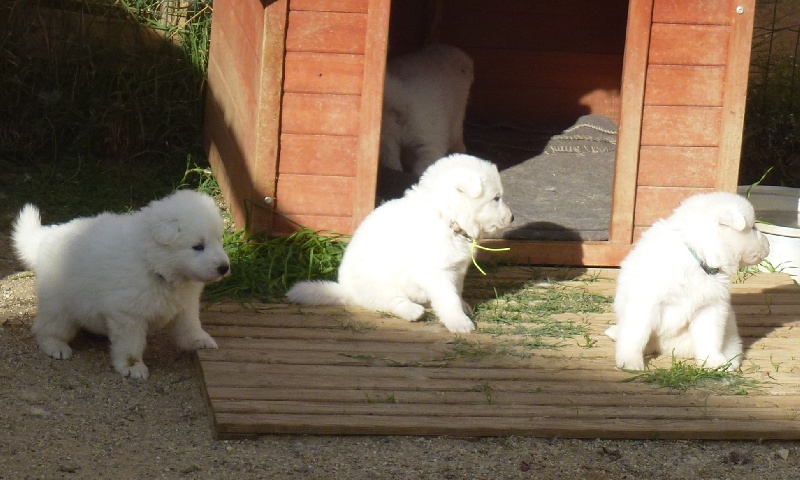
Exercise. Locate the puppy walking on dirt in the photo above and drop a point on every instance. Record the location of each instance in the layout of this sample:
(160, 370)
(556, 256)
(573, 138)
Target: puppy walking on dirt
(673, 290)
(415, 250)
(123, 276)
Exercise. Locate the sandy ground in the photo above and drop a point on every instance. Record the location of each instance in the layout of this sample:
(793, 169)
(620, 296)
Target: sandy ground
(78, 419)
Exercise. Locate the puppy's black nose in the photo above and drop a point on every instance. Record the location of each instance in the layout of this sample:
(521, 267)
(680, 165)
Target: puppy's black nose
(512, 218)
(223, 269)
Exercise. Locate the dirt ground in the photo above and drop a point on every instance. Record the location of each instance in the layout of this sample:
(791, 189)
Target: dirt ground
(78, 418)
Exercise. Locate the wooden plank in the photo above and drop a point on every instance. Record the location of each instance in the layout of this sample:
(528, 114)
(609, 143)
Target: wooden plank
(676, 44)
(549, 107)
(677, 166)
(653, 203)
(326, 32)
(557, 253)
(307, 370)
(371, 109)
(738, 63)
(319, 114)
(582, 71)
(707, 12)
(323, 73)
(317, 154)
(268, 113)
(358, 6)
(681, 126)
(232, 100)
(630, 126)
(685, 85)
(560, 30)
(315, 195)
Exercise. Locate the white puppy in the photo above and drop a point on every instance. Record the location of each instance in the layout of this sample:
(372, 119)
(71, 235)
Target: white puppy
(416, 249)
(123, 276)
(673, 290)
(424, 103)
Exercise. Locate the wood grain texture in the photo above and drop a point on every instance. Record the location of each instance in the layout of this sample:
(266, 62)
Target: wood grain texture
(324, 73)
(630, 126)
(735, 96)
(677, 44)
(331, 370)
(677, 166)
(326, 32)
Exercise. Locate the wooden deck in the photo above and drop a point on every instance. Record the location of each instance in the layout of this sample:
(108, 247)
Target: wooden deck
(286, 369)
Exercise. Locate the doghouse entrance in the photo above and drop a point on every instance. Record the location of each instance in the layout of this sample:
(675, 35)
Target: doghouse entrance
(544, 106)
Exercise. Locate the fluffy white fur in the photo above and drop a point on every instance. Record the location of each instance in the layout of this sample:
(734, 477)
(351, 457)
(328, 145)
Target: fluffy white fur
(666, 302)
(123, 276)
(415, 250)
(425, 100)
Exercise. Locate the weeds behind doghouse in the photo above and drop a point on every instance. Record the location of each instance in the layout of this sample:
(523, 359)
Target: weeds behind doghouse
(101, 111)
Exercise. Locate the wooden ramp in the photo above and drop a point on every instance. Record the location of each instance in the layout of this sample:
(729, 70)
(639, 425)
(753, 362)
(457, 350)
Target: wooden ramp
(288, 369)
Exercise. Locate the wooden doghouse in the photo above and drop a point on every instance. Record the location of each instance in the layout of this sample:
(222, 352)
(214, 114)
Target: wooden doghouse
(295, 94)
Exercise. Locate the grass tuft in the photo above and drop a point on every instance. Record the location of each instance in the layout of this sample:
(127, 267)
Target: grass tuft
(683, 375)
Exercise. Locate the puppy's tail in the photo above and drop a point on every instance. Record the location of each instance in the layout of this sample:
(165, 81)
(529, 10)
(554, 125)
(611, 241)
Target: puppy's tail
(27, 235)
(318, 292)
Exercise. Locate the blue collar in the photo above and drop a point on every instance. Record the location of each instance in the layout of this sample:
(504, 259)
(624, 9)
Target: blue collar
(706, 268)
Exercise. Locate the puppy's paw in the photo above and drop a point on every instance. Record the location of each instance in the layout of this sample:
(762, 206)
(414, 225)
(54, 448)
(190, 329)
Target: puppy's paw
(408, 310)
(611, 332)
(630, 362)
(133, 369)
(718, 360)
(459, 325)
(55, 348)
(201, 343)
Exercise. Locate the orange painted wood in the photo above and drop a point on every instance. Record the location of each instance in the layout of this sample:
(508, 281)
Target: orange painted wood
(685, 85)
(653, 203)
(541, 106)
(630, 124)
(268, 125)
(735, 97)
(315, 195)
(675, 44)
(678, 166)
(326, 32)
(358, 6)
(371, 110)
(564, 31)
(318, 154)
(681, 126)
(321, 114)
(323, 73)
(321, 223)
(232, 111)
(590, 8)
(546, 69)
(712, 12)
(556, 253)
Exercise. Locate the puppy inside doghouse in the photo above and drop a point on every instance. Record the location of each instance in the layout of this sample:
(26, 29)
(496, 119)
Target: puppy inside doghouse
(424, 104)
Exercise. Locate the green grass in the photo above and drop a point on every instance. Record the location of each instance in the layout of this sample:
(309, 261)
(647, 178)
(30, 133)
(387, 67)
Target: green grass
(530, 317)
(684, 375)
(87, 123)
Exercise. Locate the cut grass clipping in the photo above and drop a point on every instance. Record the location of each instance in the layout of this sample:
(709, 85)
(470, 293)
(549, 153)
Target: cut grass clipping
(533, 316)
(683, 375)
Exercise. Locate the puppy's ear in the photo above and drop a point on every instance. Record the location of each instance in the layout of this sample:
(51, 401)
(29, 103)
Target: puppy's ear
(165, 230)
(733, 218)
(469, 184)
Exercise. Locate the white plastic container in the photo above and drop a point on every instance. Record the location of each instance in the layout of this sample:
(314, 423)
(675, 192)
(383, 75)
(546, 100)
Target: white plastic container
(779, 210)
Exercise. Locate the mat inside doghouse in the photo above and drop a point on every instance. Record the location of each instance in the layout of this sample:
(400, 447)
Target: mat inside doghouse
(559, 185)
(324, 370)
